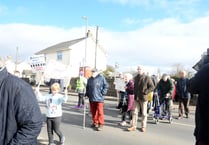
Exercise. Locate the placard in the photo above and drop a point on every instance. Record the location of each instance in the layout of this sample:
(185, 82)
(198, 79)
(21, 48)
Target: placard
(37, 63)
(119, 84)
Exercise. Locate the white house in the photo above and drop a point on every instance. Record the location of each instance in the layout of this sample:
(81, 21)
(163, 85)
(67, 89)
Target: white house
(73, 53)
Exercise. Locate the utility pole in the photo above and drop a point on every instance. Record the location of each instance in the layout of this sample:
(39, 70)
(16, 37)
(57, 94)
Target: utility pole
(95, 61)
(84, 66)
(86, 36)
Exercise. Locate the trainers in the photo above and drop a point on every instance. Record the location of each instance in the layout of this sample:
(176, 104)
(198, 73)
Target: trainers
(77, 107)
(143, 129)
(100, 128)
(132, 128)
(62, 140)
(123, 123)
(179, 117)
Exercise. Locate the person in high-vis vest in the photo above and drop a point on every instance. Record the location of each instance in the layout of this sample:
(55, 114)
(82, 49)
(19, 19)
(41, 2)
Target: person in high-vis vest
(80, 88)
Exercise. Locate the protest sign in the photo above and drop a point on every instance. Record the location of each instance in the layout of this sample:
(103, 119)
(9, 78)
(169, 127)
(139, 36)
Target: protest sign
(57, 70)
(37, 63)
(119, 84)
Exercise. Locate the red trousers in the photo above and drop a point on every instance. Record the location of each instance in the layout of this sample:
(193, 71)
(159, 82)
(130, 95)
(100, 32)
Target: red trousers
(97, 111)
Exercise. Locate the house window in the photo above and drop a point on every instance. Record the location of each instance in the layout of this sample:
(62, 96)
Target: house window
(59, 55)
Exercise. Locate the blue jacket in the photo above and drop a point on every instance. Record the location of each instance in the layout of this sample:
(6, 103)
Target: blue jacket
(20, 115)
(96, 88)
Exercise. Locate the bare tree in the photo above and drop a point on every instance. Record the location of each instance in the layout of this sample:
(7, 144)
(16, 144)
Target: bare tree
(176, 68)
(158, 72)
(109, 71)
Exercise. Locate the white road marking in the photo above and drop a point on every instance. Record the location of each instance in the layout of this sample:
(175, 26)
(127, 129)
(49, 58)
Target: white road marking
(183, 124)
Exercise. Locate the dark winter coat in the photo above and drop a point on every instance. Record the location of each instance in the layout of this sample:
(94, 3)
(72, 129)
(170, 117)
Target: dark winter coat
(182, 88)
(165, 87)
(130, 87)
(142, 86)
(96, 88)
(199, 84)
(20, 115)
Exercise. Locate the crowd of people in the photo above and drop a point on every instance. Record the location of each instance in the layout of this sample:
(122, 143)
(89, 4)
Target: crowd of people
(21, 117)
(146, 90)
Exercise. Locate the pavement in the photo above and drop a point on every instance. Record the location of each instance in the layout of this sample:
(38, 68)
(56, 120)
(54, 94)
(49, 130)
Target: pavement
(77, 133)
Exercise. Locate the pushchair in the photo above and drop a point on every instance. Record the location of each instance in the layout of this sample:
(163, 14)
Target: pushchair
(160, 111)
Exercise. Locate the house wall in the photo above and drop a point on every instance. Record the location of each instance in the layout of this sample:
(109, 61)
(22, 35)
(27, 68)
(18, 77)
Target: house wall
(53, 56)
(76, 54)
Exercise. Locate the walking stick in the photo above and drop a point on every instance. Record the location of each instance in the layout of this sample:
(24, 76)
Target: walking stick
(84, 111)
(39, 83)
(84, 114)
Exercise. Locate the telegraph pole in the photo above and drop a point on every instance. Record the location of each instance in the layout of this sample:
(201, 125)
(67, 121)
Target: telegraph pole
(86, 36)
(95, 61)
(84, 66)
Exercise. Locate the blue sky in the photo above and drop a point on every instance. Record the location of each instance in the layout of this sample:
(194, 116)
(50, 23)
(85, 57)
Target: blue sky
(116, 15)
(132, 31)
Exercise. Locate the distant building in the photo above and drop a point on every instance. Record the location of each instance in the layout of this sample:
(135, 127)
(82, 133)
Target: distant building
(73, 53)
(19, 67)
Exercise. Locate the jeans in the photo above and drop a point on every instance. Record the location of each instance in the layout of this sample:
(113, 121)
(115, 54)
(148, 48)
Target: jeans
(122, 96)
(184, 102)
(125, 110)
(80, 99)
(53, 125)
(124, 115)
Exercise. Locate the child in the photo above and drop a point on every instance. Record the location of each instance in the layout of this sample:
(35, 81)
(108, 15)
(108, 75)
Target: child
(54, 111)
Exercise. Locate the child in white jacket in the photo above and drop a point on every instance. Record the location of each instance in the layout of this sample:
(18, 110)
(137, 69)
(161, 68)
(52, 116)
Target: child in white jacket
(54, 111)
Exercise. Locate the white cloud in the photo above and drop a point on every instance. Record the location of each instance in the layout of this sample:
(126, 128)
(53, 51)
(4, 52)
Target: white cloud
(132, 21)
(32, 38)
(159, 44)
(183, 9)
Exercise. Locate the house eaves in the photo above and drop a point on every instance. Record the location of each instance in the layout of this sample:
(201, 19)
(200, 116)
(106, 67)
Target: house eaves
(60, 46)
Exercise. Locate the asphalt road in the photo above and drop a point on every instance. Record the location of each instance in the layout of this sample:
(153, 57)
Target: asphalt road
(180, 132)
